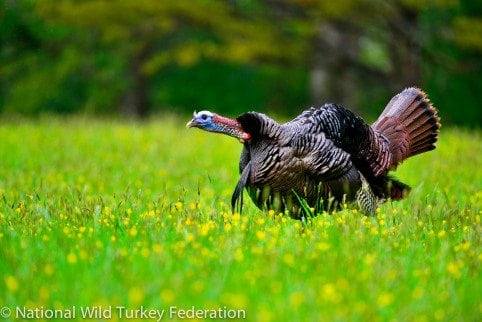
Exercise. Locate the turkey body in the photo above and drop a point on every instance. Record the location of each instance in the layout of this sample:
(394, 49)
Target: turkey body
(328, 156)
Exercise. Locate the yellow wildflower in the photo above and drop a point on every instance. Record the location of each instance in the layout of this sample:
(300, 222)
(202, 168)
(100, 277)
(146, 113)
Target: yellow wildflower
(49, 270)
(168, 296)
(330, 293)
(238, 255)
(296, 299)
(71, 258)
(178, 205)
(136, 295)
(11, 283)
(384, 299)
(261, 234)
(454, 268)
(133, 231)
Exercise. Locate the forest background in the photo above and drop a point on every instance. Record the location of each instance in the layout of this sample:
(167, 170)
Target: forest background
(139, 58)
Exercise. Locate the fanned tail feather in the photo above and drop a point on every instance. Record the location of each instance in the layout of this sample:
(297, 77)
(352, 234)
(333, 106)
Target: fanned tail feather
(410, 124)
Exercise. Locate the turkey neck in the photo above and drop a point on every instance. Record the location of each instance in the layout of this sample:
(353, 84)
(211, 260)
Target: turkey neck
(231, 127)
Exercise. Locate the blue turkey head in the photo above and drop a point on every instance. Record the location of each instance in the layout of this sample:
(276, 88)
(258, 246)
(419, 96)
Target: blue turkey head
(213, 122)
(203, 120)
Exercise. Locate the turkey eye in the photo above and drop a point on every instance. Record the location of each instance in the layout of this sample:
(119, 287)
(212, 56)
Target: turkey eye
(204, 116)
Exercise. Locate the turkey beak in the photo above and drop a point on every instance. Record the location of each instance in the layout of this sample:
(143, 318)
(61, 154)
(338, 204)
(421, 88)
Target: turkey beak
(192, 123)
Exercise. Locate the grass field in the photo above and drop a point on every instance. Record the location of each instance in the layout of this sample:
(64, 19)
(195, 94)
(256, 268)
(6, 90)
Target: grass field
(110, 213)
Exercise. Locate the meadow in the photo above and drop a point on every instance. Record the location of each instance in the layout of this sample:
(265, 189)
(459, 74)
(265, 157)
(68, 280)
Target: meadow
(112, 213)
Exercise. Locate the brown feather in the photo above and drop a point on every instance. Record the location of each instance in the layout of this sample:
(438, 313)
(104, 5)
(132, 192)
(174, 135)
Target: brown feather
(410, 123)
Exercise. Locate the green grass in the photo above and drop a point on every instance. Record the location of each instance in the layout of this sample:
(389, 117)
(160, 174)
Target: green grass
(114, 213)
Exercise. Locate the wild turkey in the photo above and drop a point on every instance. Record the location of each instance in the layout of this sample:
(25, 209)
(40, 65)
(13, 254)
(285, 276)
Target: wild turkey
(327, 156)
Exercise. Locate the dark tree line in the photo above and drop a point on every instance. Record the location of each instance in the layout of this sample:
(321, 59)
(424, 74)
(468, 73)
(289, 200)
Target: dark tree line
(140, 57)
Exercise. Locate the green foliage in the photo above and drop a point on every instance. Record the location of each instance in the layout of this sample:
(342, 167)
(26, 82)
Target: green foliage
(453, 82)
(467, 32)
(230, 89)
(96, 55)
(113, 213)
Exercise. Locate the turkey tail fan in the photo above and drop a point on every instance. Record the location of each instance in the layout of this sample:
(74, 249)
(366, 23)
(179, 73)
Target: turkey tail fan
(410, 124)
(237, 198)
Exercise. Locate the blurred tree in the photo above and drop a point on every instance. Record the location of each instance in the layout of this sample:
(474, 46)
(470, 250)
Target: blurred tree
(150, 35)
(37, 73)
(352, 42)
(361, 52)
(132, 56)
(454, 38)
